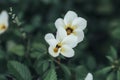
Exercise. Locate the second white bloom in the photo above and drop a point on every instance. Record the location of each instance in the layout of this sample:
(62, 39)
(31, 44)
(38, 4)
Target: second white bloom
(62, 44)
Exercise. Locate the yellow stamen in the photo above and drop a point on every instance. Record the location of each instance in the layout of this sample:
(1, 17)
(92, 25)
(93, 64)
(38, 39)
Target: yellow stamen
(2, 27)
(57, 47)
(69, 30)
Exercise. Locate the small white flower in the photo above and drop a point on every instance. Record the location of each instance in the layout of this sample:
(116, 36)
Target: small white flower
(89, 76)
(3, 22)
(63, 44)
(72, 24)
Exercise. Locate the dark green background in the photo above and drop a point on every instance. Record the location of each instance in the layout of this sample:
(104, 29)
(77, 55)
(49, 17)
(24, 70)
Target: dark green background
(38, 17)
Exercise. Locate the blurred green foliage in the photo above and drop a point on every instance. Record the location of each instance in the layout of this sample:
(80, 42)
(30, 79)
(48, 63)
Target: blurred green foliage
(23, 50)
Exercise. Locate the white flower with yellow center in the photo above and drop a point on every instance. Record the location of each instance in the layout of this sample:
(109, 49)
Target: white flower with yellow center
(72, 24)
(89, 77)
(3, 22)
(62, 44)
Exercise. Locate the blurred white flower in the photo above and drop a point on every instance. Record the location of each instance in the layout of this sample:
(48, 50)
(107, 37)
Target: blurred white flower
(3, 21)
(89, 76)
(72, 24)
(62, 44)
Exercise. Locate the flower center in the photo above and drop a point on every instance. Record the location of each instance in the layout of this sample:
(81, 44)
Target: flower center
(69, 30)
(116, 65)
(57, 48)
(2, 27)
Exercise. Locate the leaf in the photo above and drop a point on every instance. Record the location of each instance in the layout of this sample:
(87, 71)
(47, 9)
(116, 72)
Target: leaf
(118, 75)
(41, 66)
(38, 67)
(66, 70)
(91, 63)
(34, 54)
(38, 50)
(45, 65)
(51, 75)
(111, 76)
(81, 72)
(113, 53)
(2, 77)
(104, 70)
(20, 71)
(110, 58)
(17, 49)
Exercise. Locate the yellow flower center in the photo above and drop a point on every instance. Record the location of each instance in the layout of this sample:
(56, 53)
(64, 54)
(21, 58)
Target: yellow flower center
(57, 47)
(69, 29)
(2, 27)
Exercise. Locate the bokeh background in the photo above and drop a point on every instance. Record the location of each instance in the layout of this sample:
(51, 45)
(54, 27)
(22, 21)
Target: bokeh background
(23, 43)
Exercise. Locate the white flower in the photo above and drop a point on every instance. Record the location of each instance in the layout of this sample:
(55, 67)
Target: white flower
(3, 21)
(72, 24)
(63, 44)
(89, 76)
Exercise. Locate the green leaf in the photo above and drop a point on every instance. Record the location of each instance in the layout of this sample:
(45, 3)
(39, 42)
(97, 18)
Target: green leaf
(91, 63)
(113, 53)
(45, 65)
(34, 54)
(38, 66)
(66, 71)
(20, 71)
(111, 76)
(81, 72)
(110, 58)
(104, 70)
(118, 75)
(2, 77)
(39, 50)
(17, 49)
(41, 66)
(51, 75)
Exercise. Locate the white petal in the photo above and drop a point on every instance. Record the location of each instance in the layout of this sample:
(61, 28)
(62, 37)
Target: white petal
(2, 31)
(80, 35)
(61, 34)
(69, 17)
(50, 39)
(59, 23)
(80, 23)
(4, 18)
(67, 51)
(52, 53)
(89, 77)
(49, 36)
(70, 40)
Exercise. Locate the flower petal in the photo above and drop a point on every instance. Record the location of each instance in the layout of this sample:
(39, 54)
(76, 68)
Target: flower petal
(49, 36)
(2, 31)
(89, 77)
(69, 17)
(70, 40)
(80, 35)
(4, 18)
(50, 39)
(52, 53)
(59, 23)
(61, 34)
(80, 23)
(67, 51)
